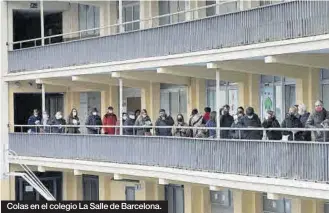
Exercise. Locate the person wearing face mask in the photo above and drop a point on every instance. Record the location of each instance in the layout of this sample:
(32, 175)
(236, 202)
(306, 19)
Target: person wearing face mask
(164, 120)
(271, 122)
(57, 122)
(178, 130)
(45, 122)
(33, 121)
(144, 124)
(226, 120)
(110, 119)
(303, 116)
(137, 113)
(240, 111)
(212, 123)
(128, 128)
(73, 120)
(292, 121)
(251, 120)
(235, 133)
(94, 120)
(319, 119)
(196, 121)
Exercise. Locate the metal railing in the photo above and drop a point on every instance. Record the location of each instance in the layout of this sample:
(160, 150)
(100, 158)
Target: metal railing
(300, 160)
(288, 134)
(130, 26)
(275, 22)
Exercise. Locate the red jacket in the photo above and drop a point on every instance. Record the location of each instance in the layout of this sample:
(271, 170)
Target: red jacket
(109, 120)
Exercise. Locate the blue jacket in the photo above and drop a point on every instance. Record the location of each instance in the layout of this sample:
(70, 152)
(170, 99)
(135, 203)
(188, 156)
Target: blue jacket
(32, 121)
(212, 132)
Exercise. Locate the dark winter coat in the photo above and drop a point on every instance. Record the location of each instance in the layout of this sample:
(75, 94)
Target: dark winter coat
(129, 130)
(178, 130)
(272, 134)
(292, 122)
(34, 121)
(73, 130)
(168, 121)
(211, 132)
(307, 135)
(94, 120)
(58, 129)
(253, 122)
(143, 125)
(315, 120)
(226, 121)
(109, 120)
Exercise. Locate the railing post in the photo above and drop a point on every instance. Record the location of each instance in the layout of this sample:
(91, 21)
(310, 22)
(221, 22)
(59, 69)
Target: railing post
(42, 19)
(218, 102)
(43, 96)
(121, 103)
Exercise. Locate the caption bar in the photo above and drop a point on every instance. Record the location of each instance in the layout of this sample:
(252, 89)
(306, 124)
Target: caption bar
(83, 206)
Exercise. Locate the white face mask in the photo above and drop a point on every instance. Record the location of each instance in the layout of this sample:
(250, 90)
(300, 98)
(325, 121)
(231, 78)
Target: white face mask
(58, 116)
(124, 117)
(110, 111)
(94, 113)
(45, 116)
(267, 117)
(35, 115)
(250, 116)
(74, 113)
(132, 116)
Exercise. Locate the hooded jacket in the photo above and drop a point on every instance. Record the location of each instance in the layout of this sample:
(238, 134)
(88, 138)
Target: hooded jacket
(167, 121)
(143, 125)
(315, 120)
(291, 121)
(253, 122)
(34, 121)
(272, 123)
(110, 119)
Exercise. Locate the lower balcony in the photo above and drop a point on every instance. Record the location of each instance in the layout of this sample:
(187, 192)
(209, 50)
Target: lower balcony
(306, 161)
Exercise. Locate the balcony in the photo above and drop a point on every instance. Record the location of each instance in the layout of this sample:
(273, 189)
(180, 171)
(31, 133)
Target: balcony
(306, 161)
(289, 20)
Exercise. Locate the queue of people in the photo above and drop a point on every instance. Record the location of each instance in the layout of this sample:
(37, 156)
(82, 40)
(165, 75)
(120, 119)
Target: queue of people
(139, 123)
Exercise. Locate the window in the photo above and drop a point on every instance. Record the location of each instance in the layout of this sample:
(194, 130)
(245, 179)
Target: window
(130, 14)
(211, 11)
(325, 74)
(290, 93)
(89, 18)
(326, 208)
(276, 206)
(174, 194)
(169, 7)
(130, 193)
(325, 93)
(174, 101)
(221, 201)
(90, 187)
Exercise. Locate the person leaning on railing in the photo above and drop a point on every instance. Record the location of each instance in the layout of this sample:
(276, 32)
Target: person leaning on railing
(57, 122)
(251, 120)
(303, 117)
(129, 124)
(319, 119)
(196, 121)
(94, 120)
(143, 124)
(212, 122)
(226, 120)
(292, 121)
(164, 120)
(178, 129)
(73, 120)
(45, 122)
(33, 121)
(235, 133)
(270, 121)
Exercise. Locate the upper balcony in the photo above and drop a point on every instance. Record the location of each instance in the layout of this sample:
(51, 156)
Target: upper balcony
(277, 22)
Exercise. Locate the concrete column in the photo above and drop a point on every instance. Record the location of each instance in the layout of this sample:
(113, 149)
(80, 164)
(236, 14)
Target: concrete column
(104, 187)
(196, 95)
(300, 205)
(148, 191)
(4, 106)
(196, 199)
(71, 21)
(72, 186)
(149, 9)
(71, 100)
(110, 98)
(308, 88)
(247, 202)
(249, 92)
(159, 192)
(108, 17)
(150, 96)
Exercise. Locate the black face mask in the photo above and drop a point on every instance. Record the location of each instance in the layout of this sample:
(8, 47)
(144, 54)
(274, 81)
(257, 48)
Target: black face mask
(180, 119)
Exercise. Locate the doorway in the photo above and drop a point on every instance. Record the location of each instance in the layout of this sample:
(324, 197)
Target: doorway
(51, 180)
(27, 25)
(25, 103)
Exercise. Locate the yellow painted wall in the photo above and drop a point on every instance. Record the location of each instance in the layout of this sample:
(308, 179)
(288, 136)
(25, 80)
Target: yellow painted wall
(196, 199)
(248, 92)
(197, 94)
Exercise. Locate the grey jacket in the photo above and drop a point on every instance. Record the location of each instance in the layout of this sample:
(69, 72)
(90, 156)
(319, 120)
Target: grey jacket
(315, 120)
